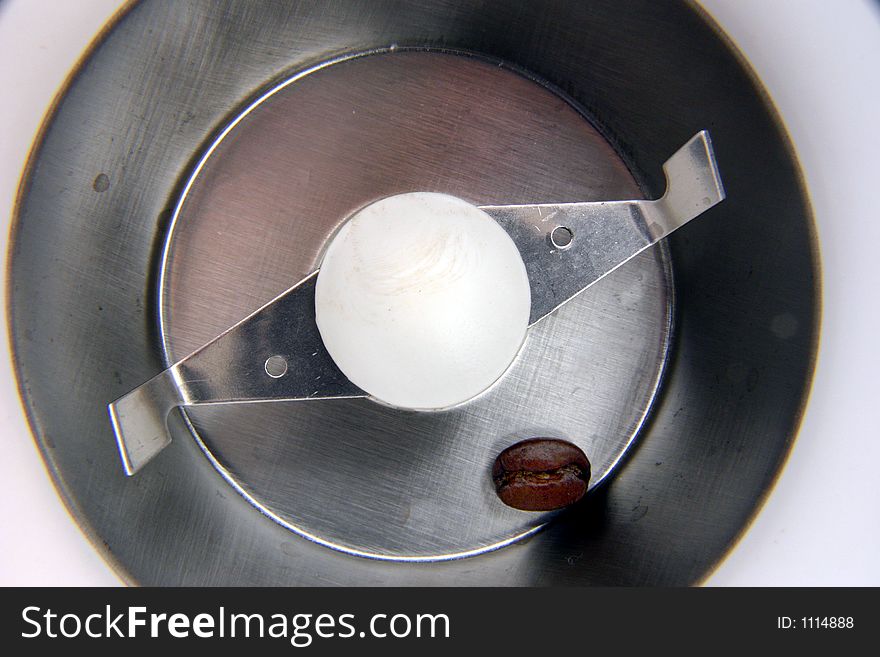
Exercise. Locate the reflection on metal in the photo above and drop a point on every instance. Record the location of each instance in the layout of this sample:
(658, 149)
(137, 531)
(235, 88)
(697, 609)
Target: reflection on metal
(233, 368)
(605, 235)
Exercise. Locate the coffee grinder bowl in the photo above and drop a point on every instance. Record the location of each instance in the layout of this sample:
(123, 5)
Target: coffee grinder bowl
(689, 365)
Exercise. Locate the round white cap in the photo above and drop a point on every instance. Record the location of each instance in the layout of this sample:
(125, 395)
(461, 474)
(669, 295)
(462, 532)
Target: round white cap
(422, 300)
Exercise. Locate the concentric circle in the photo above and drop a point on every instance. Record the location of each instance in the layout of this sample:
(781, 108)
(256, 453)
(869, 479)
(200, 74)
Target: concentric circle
(272, 197)
(163, 84)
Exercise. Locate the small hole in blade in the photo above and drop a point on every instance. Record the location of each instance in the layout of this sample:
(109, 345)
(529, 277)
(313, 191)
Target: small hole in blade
(276, 366)
(561, 237)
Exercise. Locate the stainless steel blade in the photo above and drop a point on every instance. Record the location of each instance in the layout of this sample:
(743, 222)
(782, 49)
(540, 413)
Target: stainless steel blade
(276, 354)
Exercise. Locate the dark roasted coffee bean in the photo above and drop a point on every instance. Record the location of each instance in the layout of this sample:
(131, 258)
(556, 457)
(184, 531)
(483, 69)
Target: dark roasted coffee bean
(541, 474)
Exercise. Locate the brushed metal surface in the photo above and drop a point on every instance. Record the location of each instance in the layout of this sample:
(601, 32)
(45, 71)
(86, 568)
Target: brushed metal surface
(84, 265)
(354, 475)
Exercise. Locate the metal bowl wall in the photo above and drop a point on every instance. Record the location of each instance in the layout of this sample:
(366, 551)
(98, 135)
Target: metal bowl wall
(95, 209)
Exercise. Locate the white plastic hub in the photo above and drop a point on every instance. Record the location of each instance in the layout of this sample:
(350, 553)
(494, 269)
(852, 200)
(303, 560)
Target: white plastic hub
(422, 300)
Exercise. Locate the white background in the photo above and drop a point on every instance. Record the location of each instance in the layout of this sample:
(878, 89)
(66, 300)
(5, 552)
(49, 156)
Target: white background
(819, 60)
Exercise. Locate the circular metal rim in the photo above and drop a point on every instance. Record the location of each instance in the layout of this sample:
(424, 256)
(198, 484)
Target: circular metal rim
(206, 154)
(57, 476)
(817, 296)
(67, 497)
